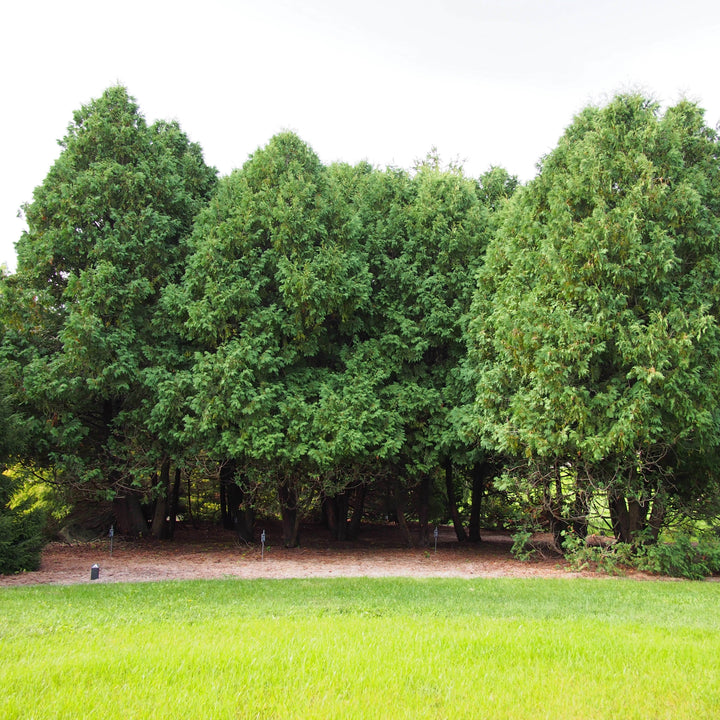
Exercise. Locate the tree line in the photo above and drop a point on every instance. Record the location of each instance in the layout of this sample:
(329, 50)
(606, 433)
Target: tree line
(333, 338)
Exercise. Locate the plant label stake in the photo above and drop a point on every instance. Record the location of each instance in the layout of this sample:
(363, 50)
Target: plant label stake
(262, 545)
(435, 534)
(111, 534)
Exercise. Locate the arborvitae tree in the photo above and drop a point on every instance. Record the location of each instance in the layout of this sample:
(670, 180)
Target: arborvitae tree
(106, 234)
(13, 426)
(269, 298)
(595, 335)
(428, 287)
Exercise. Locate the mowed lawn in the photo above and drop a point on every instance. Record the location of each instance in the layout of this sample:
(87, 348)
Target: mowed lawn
(362, 648)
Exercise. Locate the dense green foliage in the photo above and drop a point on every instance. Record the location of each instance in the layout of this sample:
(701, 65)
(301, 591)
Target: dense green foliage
(269, 298)
(339, 340)
(106, 232)
(595, 328)
(21, 529)
(361, 648)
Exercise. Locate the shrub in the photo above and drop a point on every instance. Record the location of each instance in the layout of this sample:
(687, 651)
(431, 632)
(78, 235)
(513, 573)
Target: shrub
(611, 558)
(683, 557)
(21, 529)
(522, 548)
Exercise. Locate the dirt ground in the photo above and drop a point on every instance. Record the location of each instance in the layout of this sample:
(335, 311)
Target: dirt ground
(210, 552)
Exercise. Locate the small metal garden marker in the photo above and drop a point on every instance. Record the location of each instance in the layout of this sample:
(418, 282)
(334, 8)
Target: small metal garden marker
(111, 534)
(435, 533)
(262, 545)
(95, 572)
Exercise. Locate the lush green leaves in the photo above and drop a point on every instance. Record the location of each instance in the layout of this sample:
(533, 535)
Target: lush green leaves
(106, 233)
(21, 529)
(312, 322)
(595, 323)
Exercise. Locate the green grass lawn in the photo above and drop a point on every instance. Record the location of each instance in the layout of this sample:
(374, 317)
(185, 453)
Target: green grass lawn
(362, 648)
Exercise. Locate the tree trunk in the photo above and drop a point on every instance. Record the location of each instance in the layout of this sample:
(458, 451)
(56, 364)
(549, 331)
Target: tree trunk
(235, 511)
(657, 516)
(424, 510)
(290, 514)
(357, 513)
(335, 509)
(452, 502)
(480, 472)
(189, 502)
(242, 517)
(246, 524)
(628, 517)
(342, 512)
(129, 517)
(224, 514)
(329, 511)
(619, 517)
(401, 519)
(161, 518)
(174, 500)
(227, 480)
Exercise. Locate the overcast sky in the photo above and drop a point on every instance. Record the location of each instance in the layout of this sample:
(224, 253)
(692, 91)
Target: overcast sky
(491, 82)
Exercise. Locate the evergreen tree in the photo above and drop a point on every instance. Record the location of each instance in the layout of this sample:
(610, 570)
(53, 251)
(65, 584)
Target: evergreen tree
(594, 335)
(268, 299)
(106, 234)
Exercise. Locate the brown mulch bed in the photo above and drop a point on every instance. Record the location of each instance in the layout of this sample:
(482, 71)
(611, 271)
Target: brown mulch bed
(210, 552)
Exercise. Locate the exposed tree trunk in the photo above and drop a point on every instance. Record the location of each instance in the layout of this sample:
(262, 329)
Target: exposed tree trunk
(174, 500)
(618, 517)
(329, 511)
(189, 502)
(234, 496)
(342, 512)
(424, 510)
(242, 517)
(227, 479)
(638, 514)
(628, 517)
(357, 513)
(129, 517)
(246, 524)
(480, 472)
(224, 514)
(335, 509)
(452, 502)
(657, 516)
(235, 511)
(161, 517)
(290, 514)
(401, 519)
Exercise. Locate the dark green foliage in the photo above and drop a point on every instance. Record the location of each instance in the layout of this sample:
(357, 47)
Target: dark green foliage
(268, 300)
(683, 557)
(595, 338)
(106, 232)
(21, 530)
(306, 328)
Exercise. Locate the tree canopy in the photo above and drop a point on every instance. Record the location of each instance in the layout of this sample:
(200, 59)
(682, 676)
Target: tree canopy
(595, 331)
(311, 335)
(106, 233)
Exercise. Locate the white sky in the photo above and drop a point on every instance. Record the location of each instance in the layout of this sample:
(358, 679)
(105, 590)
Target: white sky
(491, 82)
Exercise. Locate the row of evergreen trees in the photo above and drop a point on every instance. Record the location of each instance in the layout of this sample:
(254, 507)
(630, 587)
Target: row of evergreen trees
(323, 336)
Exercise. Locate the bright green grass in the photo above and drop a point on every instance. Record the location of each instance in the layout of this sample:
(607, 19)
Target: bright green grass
(362, 648)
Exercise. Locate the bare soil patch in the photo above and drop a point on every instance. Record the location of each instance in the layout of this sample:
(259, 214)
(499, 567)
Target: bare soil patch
(210, 552)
